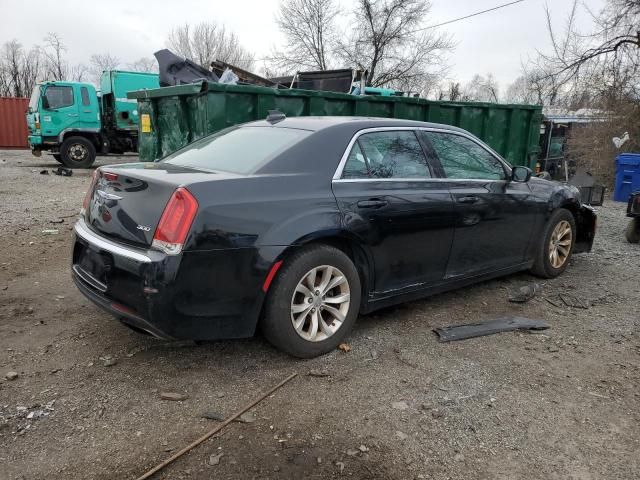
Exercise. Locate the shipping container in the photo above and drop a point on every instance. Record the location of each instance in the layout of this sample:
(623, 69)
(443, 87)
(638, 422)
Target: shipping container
(13, 126)
(172, 117)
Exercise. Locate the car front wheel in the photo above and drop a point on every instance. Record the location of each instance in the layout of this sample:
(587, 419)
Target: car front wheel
(556, 246)
(313, 302)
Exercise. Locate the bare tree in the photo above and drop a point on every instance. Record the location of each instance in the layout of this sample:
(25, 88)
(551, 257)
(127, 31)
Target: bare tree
(598, 70)
(388, 38)
(451, 91)
(79, 73)
(143, 64)
(207, 41)
(12, 55)
(32, 69)
(56, 67)
(310, 32)
(19, 69)
(100, 63)
(600, 65)
(481, 89)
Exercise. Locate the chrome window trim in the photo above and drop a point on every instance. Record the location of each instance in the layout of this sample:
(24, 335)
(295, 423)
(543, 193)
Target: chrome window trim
(338, 173)
(83, 231)
(416, 179)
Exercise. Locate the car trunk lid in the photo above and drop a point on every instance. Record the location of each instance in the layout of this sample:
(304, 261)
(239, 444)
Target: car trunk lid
(127, 201)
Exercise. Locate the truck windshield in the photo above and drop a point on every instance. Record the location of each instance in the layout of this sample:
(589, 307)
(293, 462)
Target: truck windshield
(237, 150)
(33, 101)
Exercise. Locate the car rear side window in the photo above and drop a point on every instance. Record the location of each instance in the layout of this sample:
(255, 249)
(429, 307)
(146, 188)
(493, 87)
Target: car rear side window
(392, 154)
(356, 166)
(463, 158)
(237, 150)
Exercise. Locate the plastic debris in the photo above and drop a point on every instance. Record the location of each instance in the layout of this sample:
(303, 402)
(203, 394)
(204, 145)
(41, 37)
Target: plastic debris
(504, 324)
(228, 77)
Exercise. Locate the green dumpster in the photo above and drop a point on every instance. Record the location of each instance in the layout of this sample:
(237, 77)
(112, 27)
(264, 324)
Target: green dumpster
(172, 117)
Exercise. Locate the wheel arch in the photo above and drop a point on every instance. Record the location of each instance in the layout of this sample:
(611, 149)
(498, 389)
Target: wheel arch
(584, 218)
(347, 243)
(93, 136)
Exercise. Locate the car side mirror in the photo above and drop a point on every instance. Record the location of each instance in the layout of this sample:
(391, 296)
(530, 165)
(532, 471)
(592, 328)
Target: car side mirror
(521, 174)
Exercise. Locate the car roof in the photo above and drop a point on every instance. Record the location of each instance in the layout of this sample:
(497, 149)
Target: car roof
(356, 123)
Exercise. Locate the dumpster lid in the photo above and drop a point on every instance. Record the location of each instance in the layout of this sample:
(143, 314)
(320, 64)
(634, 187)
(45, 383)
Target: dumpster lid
(628, 159)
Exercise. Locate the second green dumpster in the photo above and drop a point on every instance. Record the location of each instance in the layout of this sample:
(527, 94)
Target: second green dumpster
(172, 117)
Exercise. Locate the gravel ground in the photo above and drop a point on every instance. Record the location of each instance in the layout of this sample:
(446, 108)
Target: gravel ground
(87, 401)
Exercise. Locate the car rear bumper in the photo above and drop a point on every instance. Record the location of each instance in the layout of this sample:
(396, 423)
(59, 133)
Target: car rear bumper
(197, 295)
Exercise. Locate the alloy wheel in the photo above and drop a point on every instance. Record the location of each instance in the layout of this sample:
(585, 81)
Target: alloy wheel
(320, 303)
(560, 244)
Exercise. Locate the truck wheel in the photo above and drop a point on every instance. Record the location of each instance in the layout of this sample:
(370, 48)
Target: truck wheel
(556, 245)
(77, 152)
(57, 156)
(632, 232)
(313, 302)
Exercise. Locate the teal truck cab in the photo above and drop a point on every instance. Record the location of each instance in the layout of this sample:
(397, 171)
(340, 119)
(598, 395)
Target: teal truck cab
(75, 122)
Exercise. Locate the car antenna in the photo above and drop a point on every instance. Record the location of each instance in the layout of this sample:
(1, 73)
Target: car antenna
(275, 116)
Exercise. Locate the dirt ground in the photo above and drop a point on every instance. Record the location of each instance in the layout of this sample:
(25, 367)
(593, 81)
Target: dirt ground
(86, 404)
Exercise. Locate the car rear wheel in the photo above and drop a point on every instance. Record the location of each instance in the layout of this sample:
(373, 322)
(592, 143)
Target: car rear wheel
(313, 302)
(77, 152)
(632, 232)
(57, 157)
(556, 247)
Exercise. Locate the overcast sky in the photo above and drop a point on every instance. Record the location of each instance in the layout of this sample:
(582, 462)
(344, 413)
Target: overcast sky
(495, 42)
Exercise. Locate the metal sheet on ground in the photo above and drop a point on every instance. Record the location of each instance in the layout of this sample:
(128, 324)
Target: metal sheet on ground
(503, 324)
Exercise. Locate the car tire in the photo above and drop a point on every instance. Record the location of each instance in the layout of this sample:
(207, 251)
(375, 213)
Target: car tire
(290, 329)
(77, 152)
(632, 232)
(560, 229)
(57, 157)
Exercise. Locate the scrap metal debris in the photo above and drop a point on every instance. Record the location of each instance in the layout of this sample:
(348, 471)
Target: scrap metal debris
(62, 171)
(567, 300)
(574, 301)
(504, 324)
(525, 293)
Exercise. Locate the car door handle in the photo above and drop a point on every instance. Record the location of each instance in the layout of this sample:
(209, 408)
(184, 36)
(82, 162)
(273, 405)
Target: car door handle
(469, 199)
(373, 203)
(72, 114)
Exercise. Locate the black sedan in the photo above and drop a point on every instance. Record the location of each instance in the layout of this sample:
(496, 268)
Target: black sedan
(297, 225)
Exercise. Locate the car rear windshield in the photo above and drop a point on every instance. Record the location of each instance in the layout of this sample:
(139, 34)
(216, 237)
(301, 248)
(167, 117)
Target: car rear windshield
(237, 150)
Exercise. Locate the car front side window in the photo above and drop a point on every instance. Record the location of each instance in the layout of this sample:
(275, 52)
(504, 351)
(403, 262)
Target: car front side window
(391, 154)
(463, 158)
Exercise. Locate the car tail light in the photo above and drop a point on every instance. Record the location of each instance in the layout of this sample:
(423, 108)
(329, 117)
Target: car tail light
(110, 177)
(175, 222)
(87, 196)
